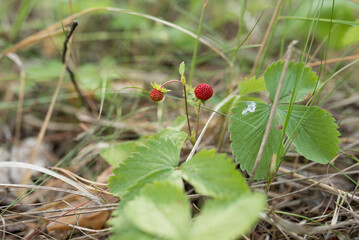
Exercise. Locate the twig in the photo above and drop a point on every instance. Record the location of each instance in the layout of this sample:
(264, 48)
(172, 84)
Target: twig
(40, 137)
(272, 113)
(68, 69)
(67, 39)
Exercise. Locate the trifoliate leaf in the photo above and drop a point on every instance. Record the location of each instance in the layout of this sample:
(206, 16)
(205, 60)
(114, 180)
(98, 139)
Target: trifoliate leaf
(156, 160)
(228, 219)
(214, 175)
(161, 209)
(296, 72)
(314, 132)
(115, 155)
(252, 85)
(247, 129)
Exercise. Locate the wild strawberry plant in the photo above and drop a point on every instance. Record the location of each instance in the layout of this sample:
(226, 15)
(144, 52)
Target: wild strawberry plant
(311, 129)
(151, 181)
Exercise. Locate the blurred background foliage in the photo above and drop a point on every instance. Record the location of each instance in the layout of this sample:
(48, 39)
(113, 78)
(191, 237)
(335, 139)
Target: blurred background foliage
(110, 46)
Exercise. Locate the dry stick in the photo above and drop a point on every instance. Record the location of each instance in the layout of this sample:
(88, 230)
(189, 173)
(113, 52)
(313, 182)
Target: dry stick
(15, 58)
(266, 37)
(74, 47)
(40, 137)
(273, 111)
(333, 60)
(70, 72)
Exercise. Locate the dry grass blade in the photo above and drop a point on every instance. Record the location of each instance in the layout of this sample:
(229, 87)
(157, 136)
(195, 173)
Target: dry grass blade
(333, 60)
(199, 139)
(4, 228)
(31, 40)
(7, 185)
(16, 59)
(319, 184)
(272, 112)
(75, 177)
(69, 181)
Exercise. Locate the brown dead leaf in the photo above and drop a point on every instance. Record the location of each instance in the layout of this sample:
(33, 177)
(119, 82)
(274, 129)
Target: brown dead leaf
(77, 211)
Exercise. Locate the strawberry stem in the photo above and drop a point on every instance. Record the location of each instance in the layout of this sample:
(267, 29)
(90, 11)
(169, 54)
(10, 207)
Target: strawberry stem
(186, 106)
(197, 127)
(170, 82)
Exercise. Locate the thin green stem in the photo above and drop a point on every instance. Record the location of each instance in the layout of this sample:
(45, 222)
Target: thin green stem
(195, 49)
(197, 126)
(266, 37)
(326, 20)
(186, 106)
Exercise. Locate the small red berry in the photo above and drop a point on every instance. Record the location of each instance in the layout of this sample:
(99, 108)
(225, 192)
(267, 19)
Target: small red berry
(203, 91)
(156, 95)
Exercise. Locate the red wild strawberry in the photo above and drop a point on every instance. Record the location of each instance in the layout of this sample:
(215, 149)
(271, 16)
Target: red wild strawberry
(203, 91)
(156, 95)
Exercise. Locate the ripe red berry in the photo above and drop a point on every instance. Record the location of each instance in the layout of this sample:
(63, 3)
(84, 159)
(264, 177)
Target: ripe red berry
(156, 95)
(203, 91)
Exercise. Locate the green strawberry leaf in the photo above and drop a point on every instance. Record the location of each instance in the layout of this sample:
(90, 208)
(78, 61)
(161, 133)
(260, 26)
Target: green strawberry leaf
(122, 228)
(247, 129)
(116, 154)
(252, 85)
(214, 175)
(316, 136)
(228, 219)
(179, 137)
(156, 160)
(251, 99)
(161, 209)
(306, 81)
